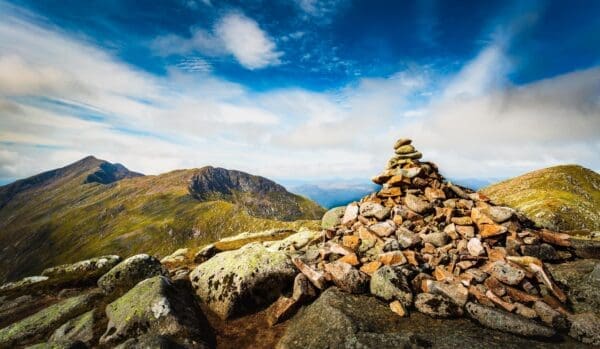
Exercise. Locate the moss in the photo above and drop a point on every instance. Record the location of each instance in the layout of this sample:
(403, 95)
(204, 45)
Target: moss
(562, 197)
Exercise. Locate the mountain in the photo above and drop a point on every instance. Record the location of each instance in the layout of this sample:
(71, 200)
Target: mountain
(333, 193)
(561, 197)
(94, 207)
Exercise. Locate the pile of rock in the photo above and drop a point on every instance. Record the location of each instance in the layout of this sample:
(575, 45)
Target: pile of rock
(423, 242)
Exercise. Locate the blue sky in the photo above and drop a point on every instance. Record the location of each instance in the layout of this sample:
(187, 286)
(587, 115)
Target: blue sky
(299, 89)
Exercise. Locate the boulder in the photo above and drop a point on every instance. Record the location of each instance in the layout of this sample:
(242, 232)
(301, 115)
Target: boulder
(153, 341)
(235, 242)
(178, 258)
(333, 217)
(346, 277)
(129, 272)
(41, 323)
(507, 322)
(350, 213)
(582, 281)
(80, 329)
(157, 307)
(237, 281)
(389, 284)
(293, 242)
(26, 285)
(585, 327)
(83, 271)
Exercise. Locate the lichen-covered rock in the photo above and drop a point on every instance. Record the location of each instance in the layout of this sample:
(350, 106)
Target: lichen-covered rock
(149, 341)
(436, 306)
(238, 281)
(59, 345)
(81, 328)
(178, 258)
(341, 320)
(389, 283)
(585, 327)
(333, 217)
(237, 241)
(156, 306)
(25, 285)
(583, 284)
(293, 242)
(82, 271)
(507, 322)
(41, 323)
(129, 272)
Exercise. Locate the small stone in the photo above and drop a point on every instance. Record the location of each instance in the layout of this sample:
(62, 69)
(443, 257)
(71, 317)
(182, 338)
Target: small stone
(434, 194)
(437, 239)
(350, 214)
(489, 230)
(416, 204)
(350, 259)
(507, 273)
(398, 308)
(351, 241)
(375, 210)
(333, 217)
(390, 192)
(281, 310)
(392, 258)
(395, 181)
(542, 251)
(389, 283)
(504, 321)
(316, 277)
(436, 306)
(407, 238)
(454, 291)
(410, 172)
(412, 156)
(402, 141)
(383, 229)
(347, 278)
(466, 231)
(462, 220)
(550, 316)
(303, 290)
(525, 311)
(500, 214)
(585, 327)
(405, 149)
(371, 267)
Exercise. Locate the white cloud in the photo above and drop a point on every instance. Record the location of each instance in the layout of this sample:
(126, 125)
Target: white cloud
(233, 34)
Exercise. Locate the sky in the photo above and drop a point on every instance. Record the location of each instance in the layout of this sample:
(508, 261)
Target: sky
(302, 89)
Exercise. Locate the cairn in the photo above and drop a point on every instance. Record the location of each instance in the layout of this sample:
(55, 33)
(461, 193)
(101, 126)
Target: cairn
(422, 242)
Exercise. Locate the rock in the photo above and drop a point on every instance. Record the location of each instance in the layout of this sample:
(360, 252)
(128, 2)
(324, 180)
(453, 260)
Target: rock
(436, 306)
(303, 290)
(81, 328)
(405, 149)
(317, 278)
(434, 194)
(26, 285)
(333, 217)
(416, 204)
(507, 322)
(453, 291)
(389, 283)
(412, 156)
(392, 258)
(178, 258)
(347, 278)
(293, 242)
(407, 238)
(281, 310)
(550, 316)
(41, 323)
(491, 230)
(342, 320)
(237, 241)
(82, 271)
(350, 214)
(585, 328)
(371, 267)
(155, 306)
(586, 248)
(475, 247)
(437, 239)
(374, 210)
(507, 273)
(466, 231)
(129, 272)
(383, 229)
(59, 345)
(499, 214)
(542, 251)
(398, 308)
(237, 281)
(205, 253)
(402, 141)
(583, 289)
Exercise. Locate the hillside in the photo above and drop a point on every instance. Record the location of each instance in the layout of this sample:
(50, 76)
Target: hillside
(561, 197)
(93, 207)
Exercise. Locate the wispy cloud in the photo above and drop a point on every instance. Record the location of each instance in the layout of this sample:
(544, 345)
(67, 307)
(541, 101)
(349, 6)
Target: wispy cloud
(234, 34)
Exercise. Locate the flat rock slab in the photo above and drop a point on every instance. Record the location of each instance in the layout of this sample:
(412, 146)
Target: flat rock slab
(507, 322)
(238, 281)
(341, 320)
(583, 283)
(41, 323)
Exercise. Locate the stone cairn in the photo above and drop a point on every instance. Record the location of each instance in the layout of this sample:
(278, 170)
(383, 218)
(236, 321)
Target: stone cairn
(422, 242)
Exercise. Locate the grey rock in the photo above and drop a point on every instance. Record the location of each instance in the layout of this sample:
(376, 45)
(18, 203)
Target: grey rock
(81, 328)
(500, 214)
(550, 316)
(374, 210)
(237, 281)
(407, 238)
(129, 272)
(585, 328)
(389, 283)
(152, 341)
(436, 306)
(582, 288)
(347, 278)
(416, 204)
(350, 213)
(507, 273)
(157, 307)
(437, 239)
(82, 271)
(542, 251)
(333, 217)
(507, 322)
(383, 229)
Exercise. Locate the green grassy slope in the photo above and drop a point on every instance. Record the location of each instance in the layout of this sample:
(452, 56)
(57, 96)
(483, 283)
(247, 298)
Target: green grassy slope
(562, 197)
(65, 220)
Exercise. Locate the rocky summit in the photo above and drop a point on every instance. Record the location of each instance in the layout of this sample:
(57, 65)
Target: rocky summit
(421, 263)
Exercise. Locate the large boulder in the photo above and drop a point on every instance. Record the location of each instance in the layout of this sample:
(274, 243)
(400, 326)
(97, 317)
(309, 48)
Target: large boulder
(389, 283)
(507, 322)
(82, 271)
(582, 280)
(82, 328)
(41, 323)
(157, 307)
(129, 272)
(333, 217)
(30, 284)
(238, 281)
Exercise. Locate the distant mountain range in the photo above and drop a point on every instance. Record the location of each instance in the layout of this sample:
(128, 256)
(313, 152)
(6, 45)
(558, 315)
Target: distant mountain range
(93, 207)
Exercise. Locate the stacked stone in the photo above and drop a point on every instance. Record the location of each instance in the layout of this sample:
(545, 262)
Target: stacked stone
(422, 242)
